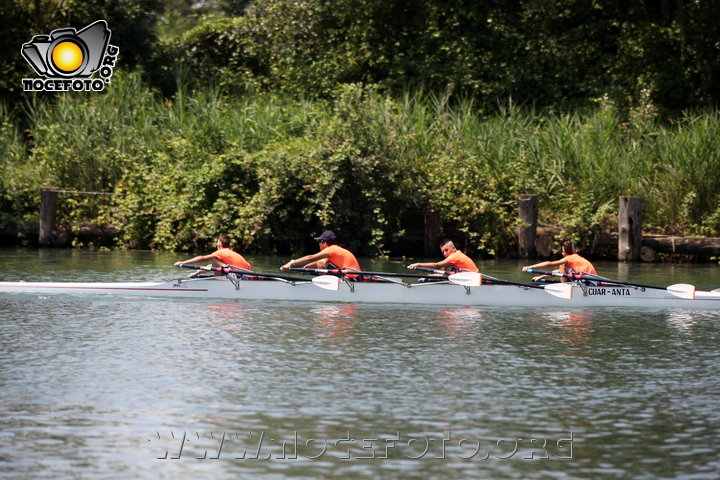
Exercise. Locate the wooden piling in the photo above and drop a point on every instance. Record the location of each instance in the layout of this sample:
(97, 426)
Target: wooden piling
(630, 219)
(526, 233)
(48, 213)
(433, 222)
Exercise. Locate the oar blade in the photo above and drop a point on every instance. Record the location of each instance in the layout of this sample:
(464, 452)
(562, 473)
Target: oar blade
(328, 282)
(682, 290)
(466, 279)
(561, 290)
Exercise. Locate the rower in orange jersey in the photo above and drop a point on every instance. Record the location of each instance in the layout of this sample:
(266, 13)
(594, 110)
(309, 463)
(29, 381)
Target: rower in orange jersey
(570, 263)
(330, 256)
(455, 260)
(224, 255)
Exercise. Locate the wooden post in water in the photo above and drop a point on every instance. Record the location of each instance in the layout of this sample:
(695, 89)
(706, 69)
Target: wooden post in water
(432, 233)
(48, 213)
(527, 232)
(630, 219)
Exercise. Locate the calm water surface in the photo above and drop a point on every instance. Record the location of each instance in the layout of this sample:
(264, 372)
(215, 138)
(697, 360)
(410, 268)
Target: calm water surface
(96, 387)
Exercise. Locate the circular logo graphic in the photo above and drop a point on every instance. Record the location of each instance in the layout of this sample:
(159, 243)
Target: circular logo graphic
(67, 56)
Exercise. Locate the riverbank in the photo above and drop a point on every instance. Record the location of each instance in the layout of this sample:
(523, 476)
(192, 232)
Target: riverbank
(655, 248)
(271, 171)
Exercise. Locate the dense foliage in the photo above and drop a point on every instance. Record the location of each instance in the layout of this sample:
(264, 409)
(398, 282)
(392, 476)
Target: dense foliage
(558, 54)
(273, 171)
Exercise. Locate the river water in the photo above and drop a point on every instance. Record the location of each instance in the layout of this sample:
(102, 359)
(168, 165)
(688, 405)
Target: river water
(97, 387)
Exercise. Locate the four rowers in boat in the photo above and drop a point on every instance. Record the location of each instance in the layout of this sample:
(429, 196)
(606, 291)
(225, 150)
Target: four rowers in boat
(332, 256)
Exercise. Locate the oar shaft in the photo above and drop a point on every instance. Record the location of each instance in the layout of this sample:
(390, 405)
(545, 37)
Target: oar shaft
(500, 281)
(546, 272)
(316, 271)
(389, 274)
(344, 271)
(590, 276)
(242, 271)
(620, 282)
(431, 270)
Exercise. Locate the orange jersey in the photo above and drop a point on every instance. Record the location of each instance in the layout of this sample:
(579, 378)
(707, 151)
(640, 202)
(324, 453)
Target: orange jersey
(579, 264)
(460, 261)
(227, 256)
(341, 258)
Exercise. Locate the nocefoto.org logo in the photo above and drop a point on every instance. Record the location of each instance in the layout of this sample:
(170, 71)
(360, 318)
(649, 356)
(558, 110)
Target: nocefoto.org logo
(66, 59)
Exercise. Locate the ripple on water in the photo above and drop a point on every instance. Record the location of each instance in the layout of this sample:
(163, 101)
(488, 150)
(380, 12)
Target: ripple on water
(92, 387)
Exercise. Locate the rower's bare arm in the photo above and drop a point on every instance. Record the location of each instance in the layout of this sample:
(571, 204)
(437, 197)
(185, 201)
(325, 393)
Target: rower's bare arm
(199, 258)
(303, 261)
(545, 264)
(440, 264)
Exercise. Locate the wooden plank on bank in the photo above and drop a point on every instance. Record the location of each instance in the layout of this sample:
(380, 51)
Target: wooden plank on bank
(667, 244)
(703, 246)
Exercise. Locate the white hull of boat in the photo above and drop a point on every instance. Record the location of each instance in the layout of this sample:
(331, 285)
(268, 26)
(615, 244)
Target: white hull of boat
(427, 294)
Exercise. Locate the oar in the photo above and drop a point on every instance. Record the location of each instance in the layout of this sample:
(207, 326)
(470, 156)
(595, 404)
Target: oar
(682, 290)
(431, 270)
(328, 282)
(565, 290)
(501, 281)
(470, 279)
(352, 271)
(562, 290)
(233, 269)
(379, 276)
(474, 279)
(466, 279)
(546, 272)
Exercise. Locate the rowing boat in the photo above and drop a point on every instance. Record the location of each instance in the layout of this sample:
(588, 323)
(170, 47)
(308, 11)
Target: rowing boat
(440, 293)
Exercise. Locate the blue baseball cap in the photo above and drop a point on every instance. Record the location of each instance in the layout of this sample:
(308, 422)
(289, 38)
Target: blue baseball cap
(327, 236)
